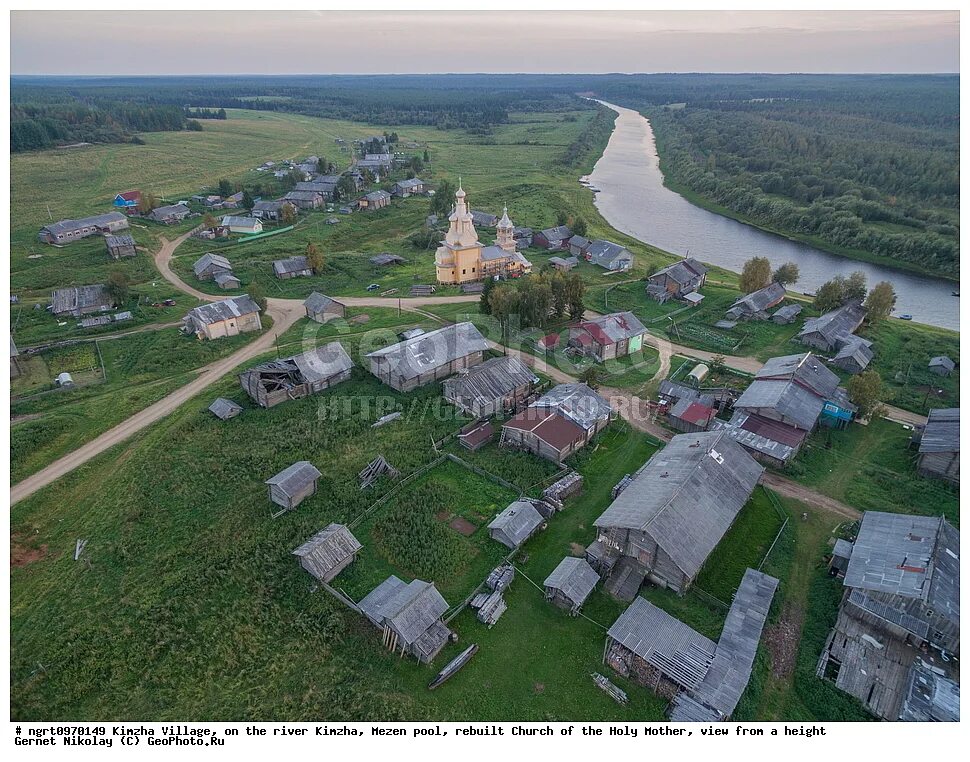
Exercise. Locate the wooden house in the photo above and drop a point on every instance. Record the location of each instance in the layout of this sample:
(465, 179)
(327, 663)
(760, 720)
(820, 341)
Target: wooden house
(411, 187)
(559, 423)
(608, 255)
(516, 524)
(553, 239)
(522, 237)
(787, 314)
(570, 584)
(678, 507)
(209, 265)
(429, 357)
(271, 210)
(828, 332)
(901, 606)
(81, 300)
(276, 381)
(170, 215)
(942, 365)
(307, 200)
(293, 484)
(119, 246)
(226, 281)
(229, 317)
(677, 281)
(854, 355)
(409, 617)
(688, 410)
(578, 246)
(755, 306)
(492, 387)
(243, 225)
(383, 260)
(563, 264)
(224, 409)
(66, 231)
(323, 308)
(608, 336)
(328, 552)
(127, 202)
(292, 267)
(483, 219)
(373, 201)
(939, 446)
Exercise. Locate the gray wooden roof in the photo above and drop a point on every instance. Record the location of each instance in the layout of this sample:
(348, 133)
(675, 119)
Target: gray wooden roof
(317, 302)
(327, 549)
(805, 368)
(175, 210)
(787, 312)
(81, 298)
(372, 604)
(210, 260)
(225, 277)
(794, 402)
(837, 324)
(687, 496)
(215, 312)
(760, 300)
(930, 697)
(942, 431)
(604, 252)
(386, 259)
(857, 349)
(911, 556)
(616, 326)
(420, 355)
(489, 381)
(291, 265)
(113, 241)
(724, 683)
(517, 522)
(574, 578)
(292, 479)
(682, 272)
(223, 408)
(313, 365)
(558, 233)
(408, 609)
(680, 652)
(576, 402)
(942, 361)
(99, 220)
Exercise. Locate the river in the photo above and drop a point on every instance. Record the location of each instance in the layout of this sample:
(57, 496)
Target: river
(633, 199)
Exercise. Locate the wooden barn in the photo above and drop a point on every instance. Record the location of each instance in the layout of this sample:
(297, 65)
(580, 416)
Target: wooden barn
(678, 507)
(209, 265)
(942, 365)
(119, 246)
(492, 387)
(65, 231)
(323, 308)
(292, 267)
(608, 255)
(170, 215)
(293, 484)
(553, 239)
(559, 423)
(939, 446)
(81, 300)
(854, 355)
(427, 358)
(290, 378)
(829, 331)
(328, 552)
(678, 280)
(570, 584)
(409, 617)
(755, 306)
(901, 606)
(516, 524)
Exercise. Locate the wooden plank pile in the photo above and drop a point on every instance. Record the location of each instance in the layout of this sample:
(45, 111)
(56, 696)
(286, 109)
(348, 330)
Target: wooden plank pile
(491, 608)
(500, 578)
(569, 485)
(375, 470)
(621, 485)
(604, 684)
(422, 290)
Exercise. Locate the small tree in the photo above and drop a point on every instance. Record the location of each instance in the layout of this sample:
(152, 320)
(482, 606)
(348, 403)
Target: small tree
(441, 200)
(591, 377)
(880, 301)
(258, 295)
(209, 222)
(562, 217)
(755, 274)
(288, 214)
(427, 156)
(147, 202)
(315, 257)
(560, 295)
(225, 188)
(504, 304)
(484, 306)
(787, 274)
(717, 364)
(855, 286)
(830, 294)
(247, 200)
(579, 226)
(867, 393)
(322, 166)
(346, 187)
(575, 294)
(117, 286)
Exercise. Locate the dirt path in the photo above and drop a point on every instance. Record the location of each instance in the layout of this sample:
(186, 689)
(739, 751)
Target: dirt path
(804, 494)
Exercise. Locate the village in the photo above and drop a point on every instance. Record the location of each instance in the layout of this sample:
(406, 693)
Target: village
(432, 533)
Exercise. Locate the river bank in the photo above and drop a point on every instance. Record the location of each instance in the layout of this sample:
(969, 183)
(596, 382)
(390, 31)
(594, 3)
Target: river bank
(634, 198)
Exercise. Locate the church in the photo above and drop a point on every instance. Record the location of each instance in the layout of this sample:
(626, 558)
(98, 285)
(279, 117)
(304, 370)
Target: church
(462, 258)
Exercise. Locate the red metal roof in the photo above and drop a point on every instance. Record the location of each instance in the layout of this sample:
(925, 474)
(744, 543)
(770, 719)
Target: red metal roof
(548, 426)
(774, 430)
(697, 414)
(596, 332)
(130, 195)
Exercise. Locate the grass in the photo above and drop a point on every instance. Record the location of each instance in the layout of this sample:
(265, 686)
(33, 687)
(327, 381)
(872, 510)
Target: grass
(872, 468)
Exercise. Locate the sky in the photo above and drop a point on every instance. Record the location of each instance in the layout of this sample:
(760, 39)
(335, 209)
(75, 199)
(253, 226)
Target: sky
(379, 42)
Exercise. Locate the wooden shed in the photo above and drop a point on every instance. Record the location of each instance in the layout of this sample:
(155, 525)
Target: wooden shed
(119, 246)
(939, 446)
(492, 387)
(515, 524)
(409, 616)
(323, 308)
(570, 584)
(293, 484)
(290, 378)
(225, 409)
(328, 552)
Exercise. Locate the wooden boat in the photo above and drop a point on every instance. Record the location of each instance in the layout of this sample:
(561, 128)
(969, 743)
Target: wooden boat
(452, 667)
(955, 293)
